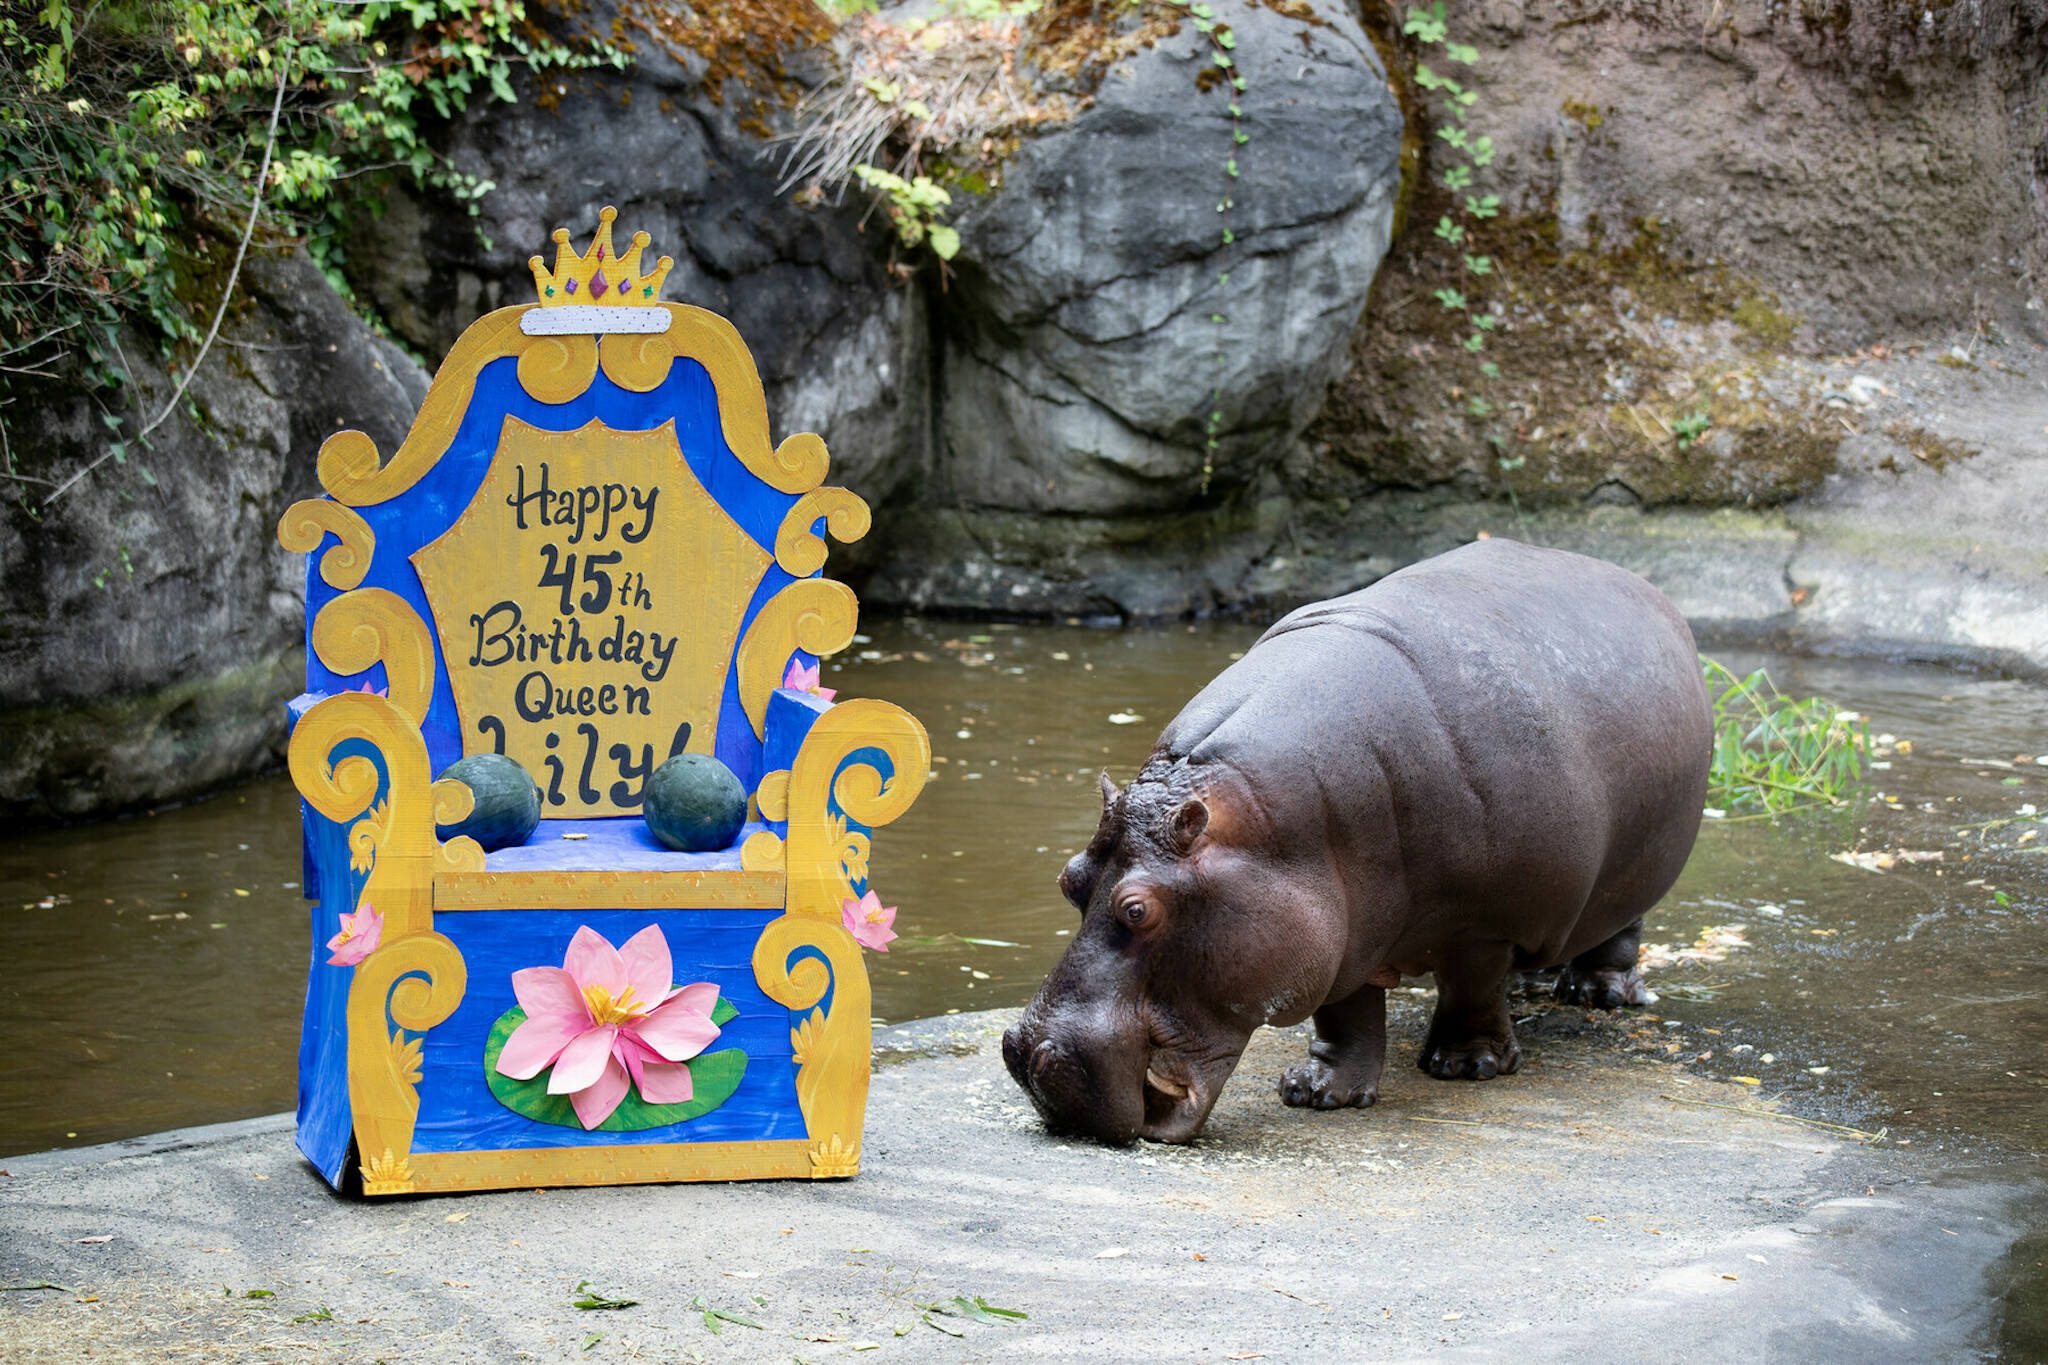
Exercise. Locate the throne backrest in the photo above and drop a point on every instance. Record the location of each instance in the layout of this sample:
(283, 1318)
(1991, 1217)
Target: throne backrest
(585, 554)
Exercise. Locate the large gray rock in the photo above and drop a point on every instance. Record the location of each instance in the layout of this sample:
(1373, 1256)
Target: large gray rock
(1090, 345)
(151, 628)
(1098, 318)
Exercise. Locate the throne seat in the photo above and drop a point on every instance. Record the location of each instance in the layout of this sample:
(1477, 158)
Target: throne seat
(611, 843)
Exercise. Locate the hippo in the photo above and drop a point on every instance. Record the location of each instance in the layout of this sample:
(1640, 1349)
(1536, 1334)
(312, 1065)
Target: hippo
(1491, 761)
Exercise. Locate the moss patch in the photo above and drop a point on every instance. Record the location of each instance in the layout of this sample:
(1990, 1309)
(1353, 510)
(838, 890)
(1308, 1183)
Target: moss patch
(1605, 350)
(1936, 452)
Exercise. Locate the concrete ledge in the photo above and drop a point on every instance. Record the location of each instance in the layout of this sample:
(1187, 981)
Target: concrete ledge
(1569, 1212)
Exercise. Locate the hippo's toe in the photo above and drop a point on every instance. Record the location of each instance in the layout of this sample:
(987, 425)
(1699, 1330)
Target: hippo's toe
(1478, 1060)
(1315, 1084)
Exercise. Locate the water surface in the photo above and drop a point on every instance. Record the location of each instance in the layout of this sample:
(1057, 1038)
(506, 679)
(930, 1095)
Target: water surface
(155, 965)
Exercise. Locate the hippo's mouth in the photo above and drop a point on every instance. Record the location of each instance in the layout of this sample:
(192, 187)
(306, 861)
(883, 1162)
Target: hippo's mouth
(1179, 1093)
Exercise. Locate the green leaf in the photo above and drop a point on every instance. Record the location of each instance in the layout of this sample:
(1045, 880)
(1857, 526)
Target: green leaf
(590, 1300)
(945, 241)
(1463, 53)
(1479, 265)
(937, 1326)
(981, 1310)
(714, 1076)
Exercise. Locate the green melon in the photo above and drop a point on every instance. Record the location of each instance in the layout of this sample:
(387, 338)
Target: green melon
(694, 804)
(507, 802)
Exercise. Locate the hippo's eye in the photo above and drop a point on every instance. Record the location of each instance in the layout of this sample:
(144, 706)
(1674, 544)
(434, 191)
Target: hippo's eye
(1135, 914)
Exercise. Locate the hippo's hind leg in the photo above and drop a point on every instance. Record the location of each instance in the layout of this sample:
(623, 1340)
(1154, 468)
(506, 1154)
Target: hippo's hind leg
(1471, 1036)
(1345, 1060)
(1605, 977)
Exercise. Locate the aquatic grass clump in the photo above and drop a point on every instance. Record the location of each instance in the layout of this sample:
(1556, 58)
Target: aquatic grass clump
(1775, 754)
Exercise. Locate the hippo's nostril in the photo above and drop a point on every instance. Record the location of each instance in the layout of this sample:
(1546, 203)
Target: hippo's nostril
(1043, 1056)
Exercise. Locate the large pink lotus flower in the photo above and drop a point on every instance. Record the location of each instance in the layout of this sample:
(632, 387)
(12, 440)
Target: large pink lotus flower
(871, 923)
(360, 934)
(804, 678)
(607, 1013)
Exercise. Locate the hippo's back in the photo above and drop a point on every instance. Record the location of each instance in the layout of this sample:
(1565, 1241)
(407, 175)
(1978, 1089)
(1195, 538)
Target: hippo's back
(1520, 722)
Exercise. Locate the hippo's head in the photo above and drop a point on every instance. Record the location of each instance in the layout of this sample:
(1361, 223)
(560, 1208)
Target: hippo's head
(1193, 933)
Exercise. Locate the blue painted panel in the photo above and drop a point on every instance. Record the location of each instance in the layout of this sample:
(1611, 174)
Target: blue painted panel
(326, 1123)
(419, 517)
(458, 1113)
(790, 718)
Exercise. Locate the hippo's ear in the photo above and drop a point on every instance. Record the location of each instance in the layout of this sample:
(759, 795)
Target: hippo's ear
(1109, 794)
(1188, 823)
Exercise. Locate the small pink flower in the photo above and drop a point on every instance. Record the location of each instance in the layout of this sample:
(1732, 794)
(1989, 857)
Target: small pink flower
(360, 934)
(871, 923)
(607, 1014)
(384, 691)
(805, 679)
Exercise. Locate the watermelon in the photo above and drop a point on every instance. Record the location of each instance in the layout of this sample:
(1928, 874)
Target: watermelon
(507, 802)
(694, 804)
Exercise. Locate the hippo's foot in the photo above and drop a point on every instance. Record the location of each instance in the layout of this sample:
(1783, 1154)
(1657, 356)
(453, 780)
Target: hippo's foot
(1605, 977)
(1346, 1056)
(1317, 1084)
(1471, 1035)
(1473, 1059)
(1601, 988)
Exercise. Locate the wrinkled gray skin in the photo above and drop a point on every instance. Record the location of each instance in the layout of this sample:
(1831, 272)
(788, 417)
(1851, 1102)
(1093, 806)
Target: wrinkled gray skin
(1491, 761)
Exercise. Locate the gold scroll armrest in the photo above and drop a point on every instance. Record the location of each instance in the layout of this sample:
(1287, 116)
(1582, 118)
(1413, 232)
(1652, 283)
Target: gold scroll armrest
(818, 844)
(831, 1050)
(415, 978)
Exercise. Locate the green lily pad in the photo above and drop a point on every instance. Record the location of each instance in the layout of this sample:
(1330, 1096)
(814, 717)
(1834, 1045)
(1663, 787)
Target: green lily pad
(713, 1075)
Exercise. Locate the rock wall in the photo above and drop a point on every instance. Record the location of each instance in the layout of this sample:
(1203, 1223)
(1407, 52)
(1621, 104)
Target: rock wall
(151, 627)
(1706, 204)
(677, 143)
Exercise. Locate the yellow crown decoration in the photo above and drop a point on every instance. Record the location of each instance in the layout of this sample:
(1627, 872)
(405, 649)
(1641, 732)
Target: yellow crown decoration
(599, 277)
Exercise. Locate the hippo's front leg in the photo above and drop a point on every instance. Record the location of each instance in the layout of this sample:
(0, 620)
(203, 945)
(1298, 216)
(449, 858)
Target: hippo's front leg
(1345, 1060)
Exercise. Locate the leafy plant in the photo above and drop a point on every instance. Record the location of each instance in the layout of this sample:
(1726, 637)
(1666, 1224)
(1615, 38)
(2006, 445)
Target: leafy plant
(1466, 155)
(135, 136)
(915, 207)
(1774, 754)
(1691, 427)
